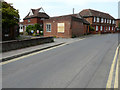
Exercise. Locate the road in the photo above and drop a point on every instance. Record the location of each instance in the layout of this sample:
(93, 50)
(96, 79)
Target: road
(82, 64)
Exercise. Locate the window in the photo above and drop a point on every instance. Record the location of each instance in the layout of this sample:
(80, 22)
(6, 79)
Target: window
(48, 27)
(96, 28)
(110, 22)
(28, 20)
(105, 20)
(101, 20)
(112, 28)
(94, 19)
(21, 27)
(109, 28)
(113, 22)
(97, 19)
(101, 28)
(61, 27)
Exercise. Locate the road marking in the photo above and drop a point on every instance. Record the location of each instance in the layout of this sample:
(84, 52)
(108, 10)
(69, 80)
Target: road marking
(16, 59)
(116, 77)
(109, 82)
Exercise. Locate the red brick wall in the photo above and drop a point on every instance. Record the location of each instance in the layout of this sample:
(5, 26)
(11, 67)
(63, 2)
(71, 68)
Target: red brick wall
(117, 22)
(33, 21)
(54, 23)
(77, 28)
(73, 27)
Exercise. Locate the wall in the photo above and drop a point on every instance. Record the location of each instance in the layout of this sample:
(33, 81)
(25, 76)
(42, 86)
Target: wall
(77, 28)
(13, 45)
(54, 22)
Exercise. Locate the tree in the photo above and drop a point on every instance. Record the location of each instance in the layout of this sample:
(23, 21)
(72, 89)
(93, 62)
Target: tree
(29, 28)
(10, 16)
(91, 28)
(34, 27)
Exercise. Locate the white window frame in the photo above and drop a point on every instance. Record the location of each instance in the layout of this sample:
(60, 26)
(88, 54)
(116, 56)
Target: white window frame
(94, 19)
(102, 20)
(98, 19)
(112, 28)
(101, 28)
(105, 20)
(110, 21)
(96, 28)
(109, 28)
(113, 22)
(48, 27)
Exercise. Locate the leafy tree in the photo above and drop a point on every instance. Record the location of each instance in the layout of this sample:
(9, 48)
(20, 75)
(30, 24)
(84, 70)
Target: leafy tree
(92, 28)
(29, 28)
(10, 16)
(35, 28)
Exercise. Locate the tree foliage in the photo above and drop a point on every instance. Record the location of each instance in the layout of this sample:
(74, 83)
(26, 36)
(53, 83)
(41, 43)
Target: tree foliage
(10, 16)
(34, 27)
(91, 28)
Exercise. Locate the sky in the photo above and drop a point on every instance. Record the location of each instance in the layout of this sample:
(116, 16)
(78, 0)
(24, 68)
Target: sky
(64, 7)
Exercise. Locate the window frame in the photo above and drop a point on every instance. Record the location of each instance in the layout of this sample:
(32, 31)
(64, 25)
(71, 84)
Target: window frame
(48, 27)
(96, 28)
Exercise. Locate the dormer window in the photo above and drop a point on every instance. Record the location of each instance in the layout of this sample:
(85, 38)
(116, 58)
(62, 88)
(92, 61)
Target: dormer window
(30, 13)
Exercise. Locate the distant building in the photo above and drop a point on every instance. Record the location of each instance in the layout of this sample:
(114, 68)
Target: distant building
(66, 26)
(117, 24)
(34, 16)
(102, 22)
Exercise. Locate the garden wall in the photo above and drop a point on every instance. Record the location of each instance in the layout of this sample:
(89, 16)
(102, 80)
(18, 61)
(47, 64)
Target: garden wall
(18, 44)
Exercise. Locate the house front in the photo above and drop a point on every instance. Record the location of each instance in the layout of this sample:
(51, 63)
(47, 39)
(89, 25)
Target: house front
(65, 26)
(35, 16)
(100, 21)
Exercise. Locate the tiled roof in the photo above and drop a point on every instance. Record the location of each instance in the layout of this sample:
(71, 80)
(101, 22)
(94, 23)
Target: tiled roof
(90, 12)
(76, 16)
(37, 14)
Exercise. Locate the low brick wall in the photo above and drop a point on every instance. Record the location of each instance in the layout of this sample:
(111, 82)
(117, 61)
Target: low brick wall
(18, 44)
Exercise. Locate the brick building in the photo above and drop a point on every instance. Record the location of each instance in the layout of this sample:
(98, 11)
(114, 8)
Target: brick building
(102, 22)
(33, 17)
(117, 24)
(66, 26)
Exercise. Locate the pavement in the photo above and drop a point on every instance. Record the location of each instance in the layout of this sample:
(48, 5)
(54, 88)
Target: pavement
(24, 51)
(85, 63)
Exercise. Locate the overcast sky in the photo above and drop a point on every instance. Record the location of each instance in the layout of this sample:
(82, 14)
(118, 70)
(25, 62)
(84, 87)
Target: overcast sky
(63, 7)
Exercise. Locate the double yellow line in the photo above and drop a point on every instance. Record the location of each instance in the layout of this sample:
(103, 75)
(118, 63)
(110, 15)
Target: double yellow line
(110, 78)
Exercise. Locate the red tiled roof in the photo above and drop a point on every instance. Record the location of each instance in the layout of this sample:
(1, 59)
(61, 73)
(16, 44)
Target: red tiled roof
(73, 15)
(37, 14)
(90, 12)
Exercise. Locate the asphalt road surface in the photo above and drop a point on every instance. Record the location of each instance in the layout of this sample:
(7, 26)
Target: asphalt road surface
(82, 64)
